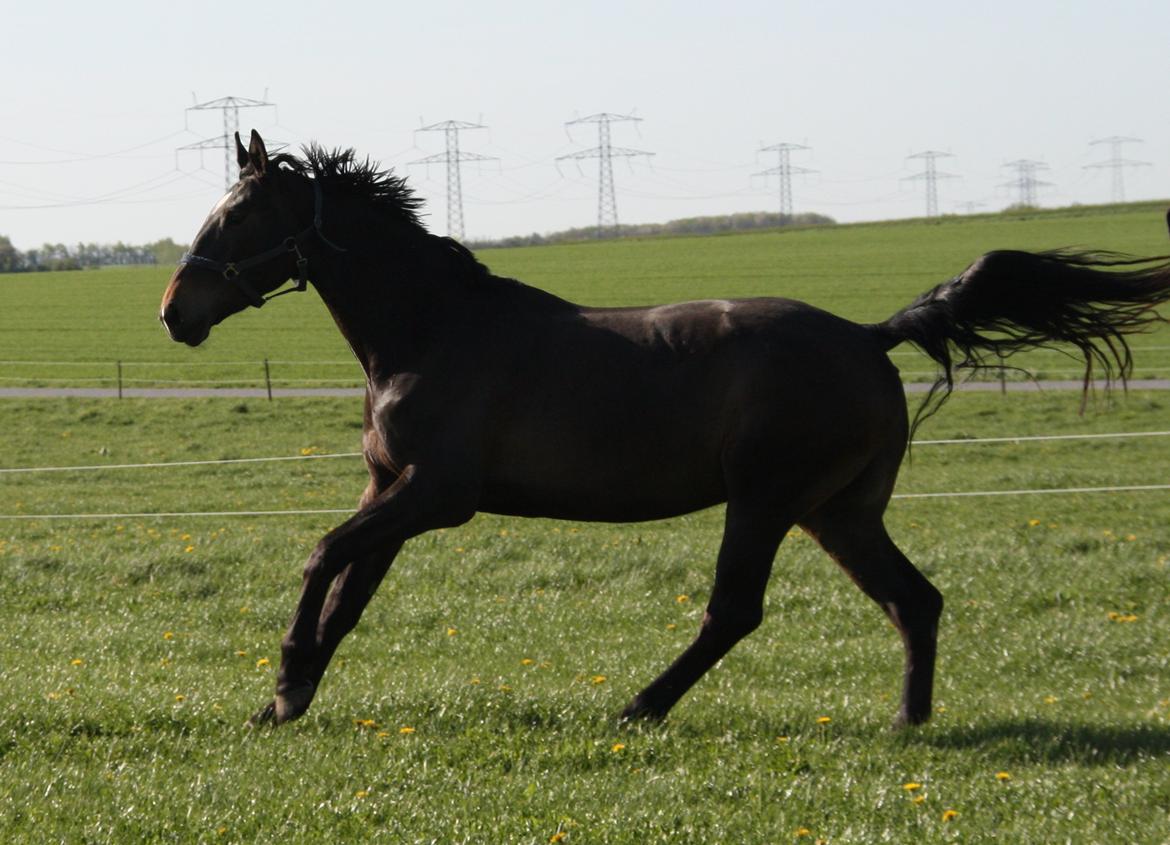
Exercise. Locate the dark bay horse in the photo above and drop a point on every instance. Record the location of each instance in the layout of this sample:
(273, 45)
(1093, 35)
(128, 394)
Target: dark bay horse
(484, 394)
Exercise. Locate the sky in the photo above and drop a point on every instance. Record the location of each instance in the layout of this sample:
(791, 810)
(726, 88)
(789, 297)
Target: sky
(96, 102)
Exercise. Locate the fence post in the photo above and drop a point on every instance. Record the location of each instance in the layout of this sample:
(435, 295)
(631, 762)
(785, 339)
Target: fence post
(1002, 380)
(268, 379)
(119, 379)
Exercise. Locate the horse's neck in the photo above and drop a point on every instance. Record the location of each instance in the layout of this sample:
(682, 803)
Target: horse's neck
(385, 315)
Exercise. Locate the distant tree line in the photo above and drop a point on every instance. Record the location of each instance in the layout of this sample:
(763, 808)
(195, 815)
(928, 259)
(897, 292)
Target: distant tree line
(740, 222)
(81, 256)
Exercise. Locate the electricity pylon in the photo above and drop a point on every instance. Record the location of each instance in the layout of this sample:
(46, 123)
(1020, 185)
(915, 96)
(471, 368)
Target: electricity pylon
(230, 106)
(784, 170)
(1116, 163)
(452, 156)
(930, 175)
(1026, 182)
(607, 216)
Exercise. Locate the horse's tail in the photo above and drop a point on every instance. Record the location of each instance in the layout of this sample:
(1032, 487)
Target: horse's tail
(1007, 301)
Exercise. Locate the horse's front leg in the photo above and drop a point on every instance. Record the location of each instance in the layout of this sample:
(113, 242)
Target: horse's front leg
(360, 551)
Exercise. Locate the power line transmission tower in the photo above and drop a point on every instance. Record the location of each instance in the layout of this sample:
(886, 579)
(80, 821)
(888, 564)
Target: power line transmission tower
(607, 216)
(230, 106)
(1026, 182)
(1116, 163)
(452, 156)
(930, 175)
(784, 170)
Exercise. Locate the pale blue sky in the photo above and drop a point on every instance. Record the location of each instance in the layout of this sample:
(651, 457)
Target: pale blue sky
(95, 93)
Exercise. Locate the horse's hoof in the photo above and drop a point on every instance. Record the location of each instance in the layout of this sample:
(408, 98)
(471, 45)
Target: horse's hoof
(292, 702)
(266, 715)
(640, 711)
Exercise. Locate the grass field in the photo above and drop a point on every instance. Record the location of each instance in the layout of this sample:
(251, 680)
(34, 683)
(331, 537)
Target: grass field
(476, 701)
(73, 327)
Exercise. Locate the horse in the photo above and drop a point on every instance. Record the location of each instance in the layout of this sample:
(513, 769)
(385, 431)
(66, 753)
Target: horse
(486, 394)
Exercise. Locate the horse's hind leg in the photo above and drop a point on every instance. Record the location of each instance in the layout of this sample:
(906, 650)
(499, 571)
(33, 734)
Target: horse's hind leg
(735, 609)
(860, 544)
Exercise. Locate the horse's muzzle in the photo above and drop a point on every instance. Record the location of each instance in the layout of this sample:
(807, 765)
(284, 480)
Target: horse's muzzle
(182, 328)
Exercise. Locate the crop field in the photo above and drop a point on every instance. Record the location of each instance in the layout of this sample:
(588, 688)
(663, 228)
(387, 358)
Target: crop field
(476, 701)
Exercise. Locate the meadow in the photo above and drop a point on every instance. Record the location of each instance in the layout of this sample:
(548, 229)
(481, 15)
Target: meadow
(72, 328)
(476, 702)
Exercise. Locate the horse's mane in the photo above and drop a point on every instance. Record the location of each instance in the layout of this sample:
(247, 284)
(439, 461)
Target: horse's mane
(341, 168)
(364, 178)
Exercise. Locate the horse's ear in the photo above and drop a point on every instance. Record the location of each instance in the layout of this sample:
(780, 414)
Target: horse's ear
(257, 154)
(241, 152)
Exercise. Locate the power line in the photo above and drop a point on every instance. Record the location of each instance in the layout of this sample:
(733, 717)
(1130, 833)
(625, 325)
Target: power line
(930, 175)
(607, 216)
(452, 157)
(1116, 163)
(230, 107)
(1026, 182)
(784, 170)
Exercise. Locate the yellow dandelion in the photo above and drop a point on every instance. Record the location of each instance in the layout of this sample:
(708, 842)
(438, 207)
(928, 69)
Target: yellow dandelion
(1033, 522)
(598, 679)
(452, 631)
(617, 746)
(670, 626)
(782, 739)
(406, 729)
(1050, 699)
(918, 799)
(682, 599)
(309, 450)
(526, 661)
(801, 831)
(262, 662)
(365, 723)
(184, 536)
(505, 688)
(241, 653)
(180, 698)
(459, 550)
(824, 720)
(949, 815)
(911, 786)
(474, 682)
(168, 635)
(361, 793)
(559, 836)
(77, 661)
(1003, 776)
(189, 549)
(383, 734)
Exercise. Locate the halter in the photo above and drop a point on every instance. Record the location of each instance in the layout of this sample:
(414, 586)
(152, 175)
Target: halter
(233, 270)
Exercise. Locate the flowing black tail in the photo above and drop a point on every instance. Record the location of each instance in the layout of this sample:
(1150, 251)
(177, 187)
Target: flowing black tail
(1008, 301)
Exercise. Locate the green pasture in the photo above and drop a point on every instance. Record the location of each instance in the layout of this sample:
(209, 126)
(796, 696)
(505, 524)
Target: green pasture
(476, 702)
(73, 328)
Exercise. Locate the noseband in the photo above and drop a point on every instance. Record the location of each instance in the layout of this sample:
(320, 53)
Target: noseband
(233, 270)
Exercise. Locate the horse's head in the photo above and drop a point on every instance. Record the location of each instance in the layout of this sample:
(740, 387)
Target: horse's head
(249, 246)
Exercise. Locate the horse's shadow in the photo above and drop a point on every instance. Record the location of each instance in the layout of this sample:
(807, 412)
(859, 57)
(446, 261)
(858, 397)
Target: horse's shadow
(1035, 741)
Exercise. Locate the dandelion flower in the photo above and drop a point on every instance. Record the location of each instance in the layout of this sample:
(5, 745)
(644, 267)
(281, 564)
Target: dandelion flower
(180, 698)
(361, 793)
(918, 799)
(1050, 699)
(557, 837)
(406, 729)
(824, 720)
(168, 635)
(598, 679)
(617, 746)
(241, 653)
(1003, 776)
(801, 831)
(670, 626)
(452, 631)
(365, 723)
(682, 599)
(911, 786)
(262, 662)
(77, 661)
(526, 661)
(1033, 522)
(949, 815)
(189, 549)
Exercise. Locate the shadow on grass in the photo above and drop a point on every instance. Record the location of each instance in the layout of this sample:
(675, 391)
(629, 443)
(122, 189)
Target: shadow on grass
(1037, 741)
